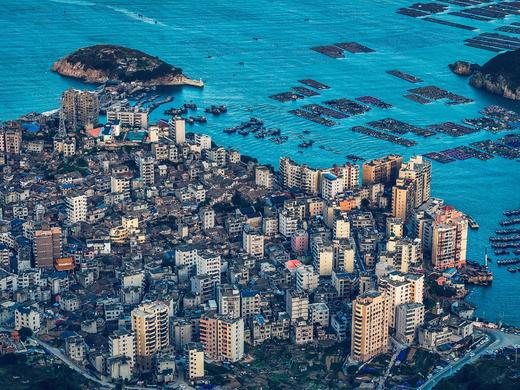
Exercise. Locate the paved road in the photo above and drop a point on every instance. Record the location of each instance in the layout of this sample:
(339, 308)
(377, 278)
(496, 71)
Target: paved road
(56, 352)
(496, 340)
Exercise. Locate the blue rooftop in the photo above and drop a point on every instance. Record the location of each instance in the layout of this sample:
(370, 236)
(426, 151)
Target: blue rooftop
(330, 176)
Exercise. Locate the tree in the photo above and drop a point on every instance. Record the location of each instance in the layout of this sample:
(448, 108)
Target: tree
(25, 333)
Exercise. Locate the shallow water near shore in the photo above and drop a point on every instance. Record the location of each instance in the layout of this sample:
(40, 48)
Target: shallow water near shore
(246, 51)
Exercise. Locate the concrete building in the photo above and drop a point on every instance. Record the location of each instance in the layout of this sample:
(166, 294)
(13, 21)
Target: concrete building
(400, 289)
(300, 241)
(228, 300)
(403, 198)
(344, 255)
(331, 186)
(75, 348)
(319, 314)
(122, 343)
(307, 279)
(147, 170)
(449, 237)
(222, 338)
(302, 332)
(76, 208)
(369, 326)
(203, 140)
(263, 176)
(178, 130)
(394, 227)
(252, 241)
(207, 217)
(80, 108)
(382, 170)
(151, 327)
(297, 176)
(27, 317)
(408, 319)
(10, 140)
(47, 247)
(182, 333)
(322, 256)
(297, 304)
(419, 171)
(128, 117)
(195, 361)
(209, 263)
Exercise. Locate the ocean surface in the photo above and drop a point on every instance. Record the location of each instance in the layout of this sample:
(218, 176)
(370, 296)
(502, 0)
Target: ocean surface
(248, 50)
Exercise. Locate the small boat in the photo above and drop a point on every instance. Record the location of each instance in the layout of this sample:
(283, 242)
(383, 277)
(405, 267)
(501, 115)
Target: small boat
(472, 223)
(512, 269)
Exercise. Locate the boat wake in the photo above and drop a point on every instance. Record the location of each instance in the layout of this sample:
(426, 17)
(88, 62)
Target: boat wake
(74, 2)
(136, 16)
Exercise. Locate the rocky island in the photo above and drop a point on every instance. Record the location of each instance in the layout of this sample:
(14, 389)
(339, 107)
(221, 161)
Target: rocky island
(500, 75)
(101, 63)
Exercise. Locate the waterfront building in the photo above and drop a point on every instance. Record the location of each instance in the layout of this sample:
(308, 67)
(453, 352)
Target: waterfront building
(128, 117)
(449, 236)
(382, 170)
(203, 140)
(80, 108)
(263, 176)
(419, 171)
(443, 231)
(297, 176)
(348, 174)
(178, 130)
(331, 186)
(369, 326)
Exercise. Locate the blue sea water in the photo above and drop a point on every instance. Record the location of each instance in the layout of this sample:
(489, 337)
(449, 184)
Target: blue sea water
(210, 40)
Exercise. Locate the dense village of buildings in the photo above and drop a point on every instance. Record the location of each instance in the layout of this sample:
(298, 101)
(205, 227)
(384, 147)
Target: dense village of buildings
(131, 244)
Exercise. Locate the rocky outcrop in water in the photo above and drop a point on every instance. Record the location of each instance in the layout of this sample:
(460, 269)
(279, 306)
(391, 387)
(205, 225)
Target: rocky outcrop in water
(500, 75)
(463, 68)
(101, 63)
